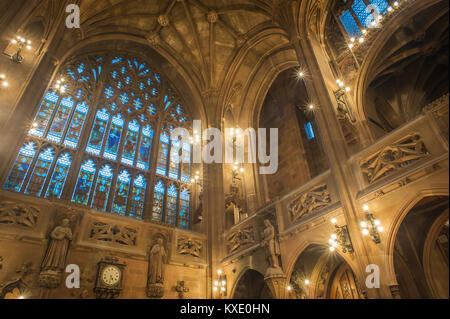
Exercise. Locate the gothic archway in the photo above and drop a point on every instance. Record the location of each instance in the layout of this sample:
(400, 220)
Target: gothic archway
(421, 250)
(252, 286)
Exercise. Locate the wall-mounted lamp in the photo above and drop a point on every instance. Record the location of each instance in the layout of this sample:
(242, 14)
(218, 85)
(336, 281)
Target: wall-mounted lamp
(3, 81)
(371, 226)
(340, 238)
(20, 43)
(220, 284)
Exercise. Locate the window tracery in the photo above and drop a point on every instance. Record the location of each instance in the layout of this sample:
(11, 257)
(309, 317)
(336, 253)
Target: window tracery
(106, 118)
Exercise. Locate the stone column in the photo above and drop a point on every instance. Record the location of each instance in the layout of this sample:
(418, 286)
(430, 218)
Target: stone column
(277, 285)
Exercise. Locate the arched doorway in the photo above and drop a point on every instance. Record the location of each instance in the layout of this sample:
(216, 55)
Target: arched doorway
(252, 286)
(421, 250)
(321, 274)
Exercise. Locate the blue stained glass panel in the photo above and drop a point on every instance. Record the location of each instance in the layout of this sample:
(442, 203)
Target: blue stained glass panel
(131, 141)
(163, 156)
(183, 215)
(309, 131)
(59, 176)
(60, 120)
(171, 212)
(121, 194)
(98, 132)
(158, 201)
(113, 141)
(350, 25)
(102, 188)
(84, 183)
(44, 114)
(138, 197)
(186, 163)
(20, 168)
(145, 148)
(174, 164)
(380, 6)
(362, 12)
(76, 126)
(40, 172)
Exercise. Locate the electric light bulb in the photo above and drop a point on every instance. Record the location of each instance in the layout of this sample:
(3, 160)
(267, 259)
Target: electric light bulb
(311, 107)
(380, 229)
(222, 289)
(219, 272)
(241, 170)
(224, 283)
(29, 42)
(396, 3)
(14, 41)
(332, 248)
(35, 124)
(22, 40)
(377, 222)
(361, 40)
(331, 242)
(333, 236)
(216, 283)
(197, 177)
(334, 221)
(301, 74)
(347, 89)
(350, 45)
(5, 84)
(192, 180)
(335, 244)
(28, 47)
(197, 173)
(365, 232)
(352, 39)
(306, 282)
(363, 224)
(215, 288)
(390, 9)
(289, 288)
(21, 297)
(366, 208)
(364, 31)
(2, 76)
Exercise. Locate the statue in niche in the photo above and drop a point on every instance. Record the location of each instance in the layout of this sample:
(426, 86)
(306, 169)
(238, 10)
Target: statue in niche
(272, 247)
(157, 262)
(55, 257)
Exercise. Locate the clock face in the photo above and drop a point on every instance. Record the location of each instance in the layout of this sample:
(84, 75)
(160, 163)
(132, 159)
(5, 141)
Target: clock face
(111, 275)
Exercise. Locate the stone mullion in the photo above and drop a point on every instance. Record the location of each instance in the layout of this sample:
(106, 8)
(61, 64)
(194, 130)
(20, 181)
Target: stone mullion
(334, 143)
(50, 172)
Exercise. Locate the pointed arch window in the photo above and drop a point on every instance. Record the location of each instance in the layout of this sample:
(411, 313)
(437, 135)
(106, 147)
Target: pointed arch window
(92, 143)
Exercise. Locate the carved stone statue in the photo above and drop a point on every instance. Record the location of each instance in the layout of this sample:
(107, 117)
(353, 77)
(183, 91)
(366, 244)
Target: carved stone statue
(55, 257)
(156, 269)
(272, 248)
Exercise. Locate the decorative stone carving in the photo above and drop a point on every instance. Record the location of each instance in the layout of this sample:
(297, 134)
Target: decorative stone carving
(12, 213)
(122, 235)
(163, 20)
(395, 291)
(297, 282)
(181, 289)
(20, 285)
(189, 246)
(154, 39)
(55, 257)
(212, 16)
(394, 157)
(272, 248)
(157, 261)
(240, 238)
(312, 200)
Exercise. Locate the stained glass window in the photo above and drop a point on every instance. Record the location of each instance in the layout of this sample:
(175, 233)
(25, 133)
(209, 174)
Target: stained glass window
(44, 114)
(40, 172)
(174, 164)
(171, 212)
(350, 25)
(98, 132)
(163, 155)
(113, 141)
(121, 194)
(380, 6)
(60, 120)
(183, 215)
(20, 168)
(84, 183)
(76, 125)
(138, 197)
(102, 188)
(145, 148)
(158, 201)
(131, 141)
(362, 12)
(59, 176)
(309, 131)
(121, 131)
(186, 163)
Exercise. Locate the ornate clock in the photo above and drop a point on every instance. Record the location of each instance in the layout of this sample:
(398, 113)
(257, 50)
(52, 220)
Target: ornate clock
(109, 278)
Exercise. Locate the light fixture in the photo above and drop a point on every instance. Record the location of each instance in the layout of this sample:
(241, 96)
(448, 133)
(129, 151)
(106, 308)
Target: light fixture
(340, 238)
(220, 284)
(289, 288)
(20, 42)
(3, 80)
(371, 226)
(307, 282)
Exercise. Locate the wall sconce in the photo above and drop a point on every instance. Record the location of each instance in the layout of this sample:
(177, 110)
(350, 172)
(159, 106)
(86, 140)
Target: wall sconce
(220, 284)
(371, 226)
(344, 108)
(4, 83)
(340, 237)
(60, 85)
(20, 43)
